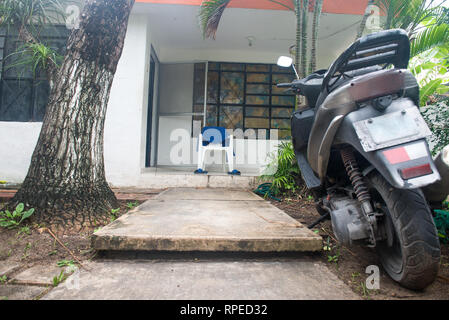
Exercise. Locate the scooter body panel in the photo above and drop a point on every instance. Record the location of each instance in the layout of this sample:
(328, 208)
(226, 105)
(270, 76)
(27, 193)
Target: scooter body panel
(347, 99)
(393, 160)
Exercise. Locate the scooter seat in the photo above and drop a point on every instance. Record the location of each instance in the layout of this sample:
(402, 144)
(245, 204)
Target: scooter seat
(340, 81)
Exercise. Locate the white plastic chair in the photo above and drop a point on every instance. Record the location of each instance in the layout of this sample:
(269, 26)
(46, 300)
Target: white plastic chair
(215, 139)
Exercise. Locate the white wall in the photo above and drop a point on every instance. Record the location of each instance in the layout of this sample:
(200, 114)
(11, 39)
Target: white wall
(125, 127)
(17, 142)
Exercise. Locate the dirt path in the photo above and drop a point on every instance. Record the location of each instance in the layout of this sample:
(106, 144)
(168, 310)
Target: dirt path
(30, 246)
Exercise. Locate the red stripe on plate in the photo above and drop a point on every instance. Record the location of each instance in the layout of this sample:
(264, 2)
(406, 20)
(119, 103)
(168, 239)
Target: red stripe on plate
(397, 155)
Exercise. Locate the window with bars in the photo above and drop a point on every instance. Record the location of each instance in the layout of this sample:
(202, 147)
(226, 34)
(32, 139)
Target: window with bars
(244, 96)
(24, 92)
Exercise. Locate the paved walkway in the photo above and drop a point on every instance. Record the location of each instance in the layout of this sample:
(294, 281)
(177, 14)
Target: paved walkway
(204, 279)
(189, 219)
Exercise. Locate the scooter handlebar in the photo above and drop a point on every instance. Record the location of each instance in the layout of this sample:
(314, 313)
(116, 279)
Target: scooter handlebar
(284, 85)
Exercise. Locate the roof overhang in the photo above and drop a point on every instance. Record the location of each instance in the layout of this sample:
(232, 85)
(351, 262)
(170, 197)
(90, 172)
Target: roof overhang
(244, 35)
(329, 6)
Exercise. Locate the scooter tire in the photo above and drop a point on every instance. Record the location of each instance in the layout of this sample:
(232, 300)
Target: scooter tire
(413, 259)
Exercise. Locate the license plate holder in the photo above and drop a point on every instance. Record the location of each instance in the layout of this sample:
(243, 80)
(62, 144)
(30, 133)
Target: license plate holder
(391, 129)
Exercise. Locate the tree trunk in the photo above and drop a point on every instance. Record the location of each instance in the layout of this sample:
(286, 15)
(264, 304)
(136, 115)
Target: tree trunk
(364, 20)
(317, 8)
(305, 14)
(66, 179)
(298, 13)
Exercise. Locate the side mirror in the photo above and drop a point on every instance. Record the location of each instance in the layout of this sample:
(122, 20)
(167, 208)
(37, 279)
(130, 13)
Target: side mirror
(284, 61)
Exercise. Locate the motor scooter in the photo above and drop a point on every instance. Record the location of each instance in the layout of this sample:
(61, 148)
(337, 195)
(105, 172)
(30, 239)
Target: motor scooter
(362, 150)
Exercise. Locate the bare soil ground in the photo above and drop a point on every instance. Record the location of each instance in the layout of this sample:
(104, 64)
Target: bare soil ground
(36, 246)
(349, 264)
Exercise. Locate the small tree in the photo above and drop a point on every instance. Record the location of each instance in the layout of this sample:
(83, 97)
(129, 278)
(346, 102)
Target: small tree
(427, 24)
(66, 178)
(211, 12)
(29, 17)
(426, 21)
(364, 20)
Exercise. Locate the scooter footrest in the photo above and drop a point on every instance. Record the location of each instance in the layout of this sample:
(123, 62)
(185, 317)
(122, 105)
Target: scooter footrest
(308, 175)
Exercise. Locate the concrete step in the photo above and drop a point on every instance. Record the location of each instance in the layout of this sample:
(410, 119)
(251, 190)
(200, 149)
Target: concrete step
(204, 219)
(161, 179)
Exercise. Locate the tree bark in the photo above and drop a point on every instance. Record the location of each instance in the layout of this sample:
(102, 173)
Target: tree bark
(317, 8)
(305, 15)
(298, 12)
(66, 178)
(364, 20)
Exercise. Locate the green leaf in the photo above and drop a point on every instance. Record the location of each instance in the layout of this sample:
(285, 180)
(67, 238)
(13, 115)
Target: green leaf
(429, 89)
(65, 263)
(8, 214)
(210, 15)
(430, 37)
(27, 214)
(3, 223)
(20, 208)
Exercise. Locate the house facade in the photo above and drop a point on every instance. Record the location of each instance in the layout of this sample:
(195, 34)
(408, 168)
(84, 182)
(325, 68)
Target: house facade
(170, 82)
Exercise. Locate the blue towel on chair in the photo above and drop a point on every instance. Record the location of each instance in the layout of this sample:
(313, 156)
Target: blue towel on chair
(212, 133)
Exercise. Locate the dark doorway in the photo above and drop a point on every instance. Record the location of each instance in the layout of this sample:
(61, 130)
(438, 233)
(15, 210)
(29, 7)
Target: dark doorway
(150, 110)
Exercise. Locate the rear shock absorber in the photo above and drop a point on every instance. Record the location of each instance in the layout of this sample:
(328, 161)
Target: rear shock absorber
(356, 178)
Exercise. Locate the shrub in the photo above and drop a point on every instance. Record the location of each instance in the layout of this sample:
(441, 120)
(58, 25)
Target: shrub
(437, 118)
(283, 171)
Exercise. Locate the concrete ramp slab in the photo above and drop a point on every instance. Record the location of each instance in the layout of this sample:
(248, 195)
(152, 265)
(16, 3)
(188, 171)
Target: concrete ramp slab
(271, 278)
(186, 219)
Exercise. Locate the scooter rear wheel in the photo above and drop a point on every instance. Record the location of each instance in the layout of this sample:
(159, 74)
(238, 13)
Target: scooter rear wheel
(412, 255)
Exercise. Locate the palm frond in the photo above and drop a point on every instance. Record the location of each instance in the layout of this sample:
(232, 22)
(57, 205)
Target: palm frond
(439, 14)
(282, 171)
(29, 18)
(35, 55)
(428, 90)
(430, 37)
(210, 15)
(404, 14)
(286, 4)
(31, 12)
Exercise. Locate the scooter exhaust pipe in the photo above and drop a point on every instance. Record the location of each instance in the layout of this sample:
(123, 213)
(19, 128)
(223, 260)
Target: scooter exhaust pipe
(439, 191)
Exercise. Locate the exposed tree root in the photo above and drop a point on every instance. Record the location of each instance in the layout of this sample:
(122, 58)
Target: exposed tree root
(75, 209)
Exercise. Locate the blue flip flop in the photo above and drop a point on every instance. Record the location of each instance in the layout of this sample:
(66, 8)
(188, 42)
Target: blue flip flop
(234, 172)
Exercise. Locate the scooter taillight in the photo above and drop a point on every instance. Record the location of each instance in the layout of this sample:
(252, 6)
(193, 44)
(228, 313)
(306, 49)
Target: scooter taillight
(416, 171)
